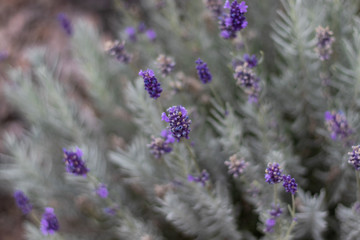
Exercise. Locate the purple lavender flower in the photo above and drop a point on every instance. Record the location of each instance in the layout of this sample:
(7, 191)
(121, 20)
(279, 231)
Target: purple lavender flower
(337, 124)
(354, 157)
(151, 83)
(22, 202)
(236, 166)
(275, 211)
(65, 23)
(102, 191)
(74, 164)
(234, 21)
(131, 33)
(226, 30)
(179, 122)
(49, 222)
(227, 4)
(324, 42)
(167, 135)
(269, 225)
(289, 184)
(165, 64)
(247, 79)
(111, 210)
(158, 147)
(273, 173)
(203, 71)
(251, 61)
(203, 178)
(117, 50)
(151, 35)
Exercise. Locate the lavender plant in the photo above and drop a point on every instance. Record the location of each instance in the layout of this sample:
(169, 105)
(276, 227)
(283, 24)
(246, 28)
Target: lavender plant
(258, 103)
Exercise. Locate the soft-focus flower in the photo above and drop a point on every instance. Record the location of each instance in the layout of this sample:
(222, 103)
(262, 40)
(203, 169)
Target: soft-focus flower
(215, 6)
(102, 191)
(337, 124)
(22, 202)
(167, 135)
(289, 184)
(3, 55)
(325, 40)
(234, 21)
(273, 173)
(203, 178)
(203, 71)
(165, 64)
(141, 27)
(131, 33)
(111, 210)
(151, 34)
(247, 79)
(158, 147)
(117, 50)
(236, 166)
(179, 122)
(269, 225)
(65, 23)
(49, 222)
(251, 60)
(151, 83)
(354, 157)
(275, 211)
(74, 163)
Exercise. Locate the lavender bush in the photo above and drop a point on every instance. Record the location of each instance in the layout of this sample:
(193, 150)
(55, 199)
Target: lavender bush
(264, 113)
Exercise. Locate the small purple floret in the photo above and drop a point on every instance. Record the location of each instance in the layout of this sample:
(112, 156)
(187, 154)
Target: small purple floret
(337, 125)
(203, 71)
(151, 83)
(49, 222)
(131, 33)
(74, 163)
(22, 202)
(65, 23)
(289, 184)
(102, 191)
(151, 35)
(179, 122)
(203, 178)
(354, 157)
(273, 173)
(251, 61)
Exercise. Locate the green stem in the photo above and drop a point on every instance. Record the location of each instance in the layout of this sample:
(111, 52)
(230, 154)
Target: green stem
(358, 185)
(293, 222)
(275, 193)
(192, 155)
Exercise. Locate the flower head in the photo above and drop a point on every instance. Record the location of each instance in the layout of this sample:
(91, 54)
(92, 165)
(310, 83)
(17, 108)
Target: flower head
(49, 222)
(236, 166)
(111, 211)
(22, 202)
(273, 173)
(65, 23)
(159, 147)
(74, 163)
(251, 61)
(289, 184)
(141, 27)
(102, 191)
(131, 33)
(237, 10)
(203, 71)
(354, 157)
(203, 178)
(117, 50)
(275, 211)
(151, 83)
(269, 225)
(324, 42)
(151, 34)
(165, 64)
(247, 79)
(179, 122)
(337, 124)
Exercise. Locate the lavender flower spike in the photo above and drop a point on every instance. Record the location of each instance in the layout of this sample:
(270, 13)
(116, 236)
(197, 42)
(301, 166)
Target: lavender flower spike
(273, 173)
(65, 23)
(102, 191)
(337, 124)
(151, 83)
(49, 222)
(354, 157)
(179, 122)
(74, 163)
(203, 178)
(236, 166)
(22, 202)
(203, 71)
(247, 79)
(289, 184)
(251, 61)
(325, 40)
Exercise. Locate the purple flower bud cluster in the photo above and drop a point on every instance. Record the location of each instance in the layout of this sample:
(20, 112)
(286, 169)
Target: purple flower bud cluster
(203, 71)
(111, 211)
(247, 79)
(132, 34)
(165, 64)
(179, 122)
(117, 50)
(273, 175)
(203, 178)
(250, 60)
(354, 157)
(337, 125)
(22, 202)
(49, 223)
(65, 23)
(232, 22)
(325, 40)
(160, 146)
(102, 191)
(151, 83)
(74, 163)
(274, 213)
(236, 166)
